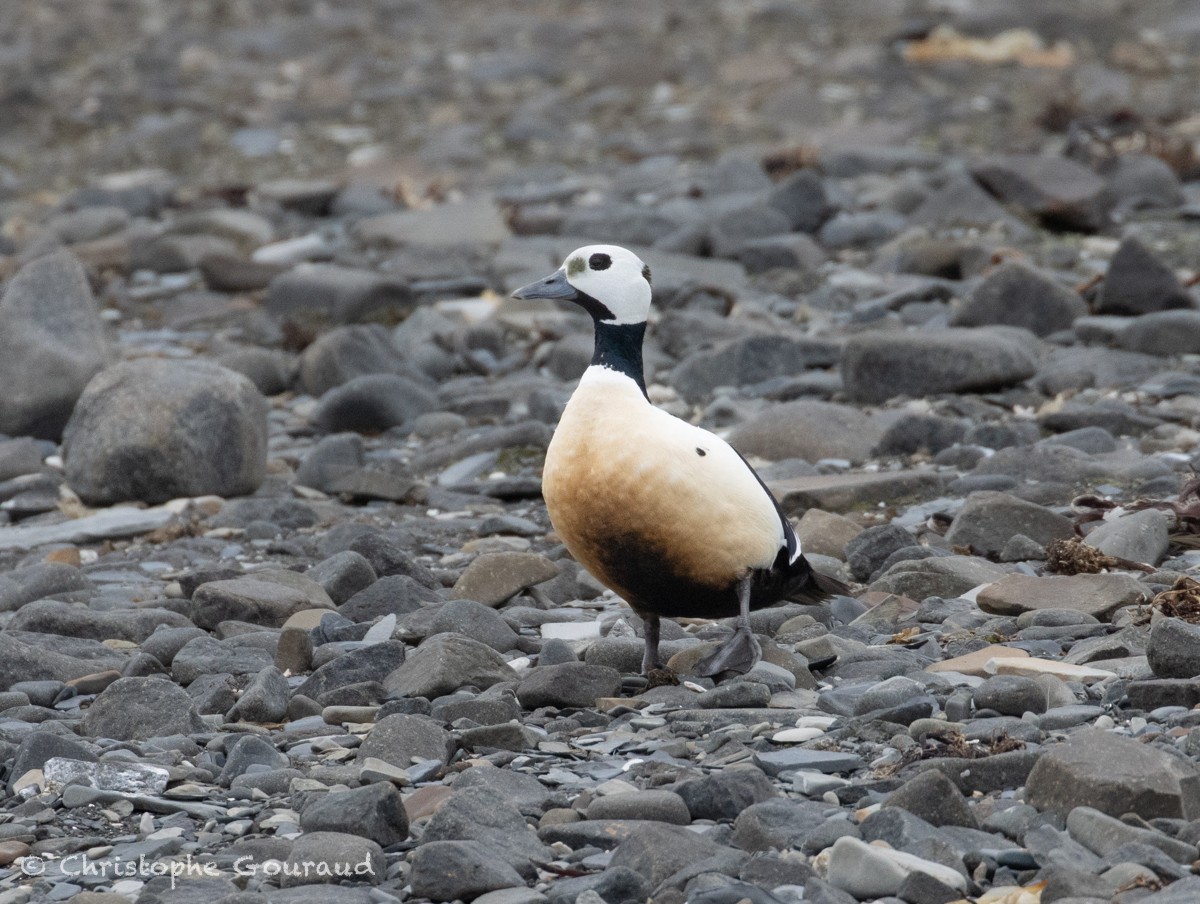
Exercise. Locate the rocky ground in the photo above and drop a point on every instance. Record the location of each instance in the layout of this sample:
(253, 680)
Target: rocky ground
(281, 605)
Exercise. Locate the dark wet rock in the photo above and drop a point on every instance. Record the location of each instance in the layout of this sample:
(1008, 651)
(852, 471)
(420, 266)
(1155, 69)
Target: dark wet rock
(570, 685)
(1103, 834)
(265, 699)
(870, 548)
(988, 520)
(1174, 648)
(926, 433)
(248, 754)
(52, 344)
(1058, 191)
(734, 228)
(1018, 295)
(54, 617)
(802, 199)
(476, 621)
(1163, 333)
(388, 559)
(725, 794)
(881, 365)
(1138, 282)
(934, 798)
(133, 708)
(396, 739)
(1010, 695)
(38, 746)
(289, 514)
(459, 871)
(372, 403)
(860, 229)
(961, 202)
(393, 594)
(1092, 440)
(317, 294)
(341, 354)
(484, 815)
(269, 370)
(1081, 368)
(780, 823)
(793, 251)
(1114, 775)
(375, 811)
(746, 361)
(207, 656)
(343, 575)
(653, 805)
(41, 581)
(613, 885)
(524, 791)
(331, 460)
(446, 662)
(19, 457)
(657, 852)
(153, 430)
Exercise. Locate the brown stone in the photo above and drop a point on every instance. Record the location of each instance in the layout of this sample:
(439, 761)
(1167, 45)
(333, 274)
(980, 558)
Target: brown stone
(973, 663)
(826, 534)
(11, 850)
(426, 801)
(1099, 595)
(94, 683)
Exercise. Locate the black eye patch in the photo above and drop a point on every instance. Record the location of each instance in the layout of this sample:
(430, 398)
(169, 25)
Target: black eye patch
(599, 261)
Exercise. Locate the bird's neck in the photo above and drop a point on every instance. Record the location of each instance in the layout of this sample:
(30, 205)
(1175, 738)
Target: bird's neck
(619, 348)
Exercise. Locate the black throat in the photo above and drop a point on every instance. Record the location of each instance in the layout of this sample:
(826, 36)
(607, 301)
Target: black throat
(619, 348)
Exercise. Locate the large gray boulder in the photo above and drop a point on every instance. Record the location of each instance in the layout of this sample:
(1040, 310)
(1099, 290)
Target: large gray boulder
(51, 343)
(1114, 775)
(154, 430)
(877, 366)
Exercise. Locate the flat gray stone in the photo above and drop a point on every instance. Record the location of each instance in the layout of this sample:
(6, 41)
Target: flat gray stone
(1098, 595)
(1114, 775)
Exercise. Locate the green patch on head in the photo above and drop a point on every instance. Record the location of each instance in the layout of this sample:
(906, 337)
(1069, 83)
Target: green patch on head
(575, 266)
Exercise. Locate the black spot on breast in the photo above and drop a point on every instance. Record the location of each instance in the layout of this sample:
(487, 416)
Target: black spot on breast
(700, 452)
(599, 261)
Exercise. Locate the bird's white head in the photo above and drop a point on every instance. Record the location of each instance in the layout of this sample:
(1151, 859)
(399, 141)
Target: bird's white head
(609, 282)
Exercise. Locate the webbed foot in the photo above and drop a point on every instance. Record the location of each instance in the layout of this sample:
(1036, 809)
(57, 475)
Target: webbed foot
(738, 654)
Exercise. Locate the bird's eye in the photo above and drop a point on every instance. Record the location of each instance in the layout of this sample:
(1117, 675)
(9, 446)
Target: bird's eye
(599, 261)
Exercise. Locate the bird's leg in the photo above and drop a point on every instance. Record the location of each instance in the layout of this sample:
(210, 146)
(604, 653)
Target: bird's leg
(651, 627)
(657, 673)
(742, 651)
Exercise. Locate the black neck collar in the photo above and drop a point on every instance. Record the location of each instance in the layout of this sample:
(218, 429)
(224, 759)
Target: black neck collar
(619, 348)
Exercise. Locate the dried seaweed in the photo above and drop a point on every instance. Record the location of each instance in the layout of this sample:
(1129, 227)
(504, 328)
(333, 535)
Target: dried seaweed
(1182, 601)
(1073, 556)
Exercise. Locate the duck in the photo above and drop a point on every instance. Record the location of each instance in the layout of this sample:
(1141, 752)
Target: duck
(665, 513)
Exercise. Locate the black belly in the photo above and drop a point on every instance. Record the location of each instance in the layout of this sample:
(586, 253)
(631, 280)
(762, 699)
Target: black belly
(651, 585)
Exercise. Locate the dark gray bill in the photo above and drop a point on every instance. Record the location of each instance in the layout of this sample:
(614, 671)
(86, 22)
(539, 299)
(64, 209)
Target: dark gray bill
(553, 286)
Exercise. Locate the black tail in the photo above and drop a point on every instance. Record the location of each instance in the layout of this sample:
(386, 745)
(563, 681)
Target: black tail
(796, 582)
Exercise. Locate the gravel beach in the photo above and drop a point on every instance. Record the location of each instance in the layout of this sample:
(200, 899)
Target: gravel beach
(283, 618)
